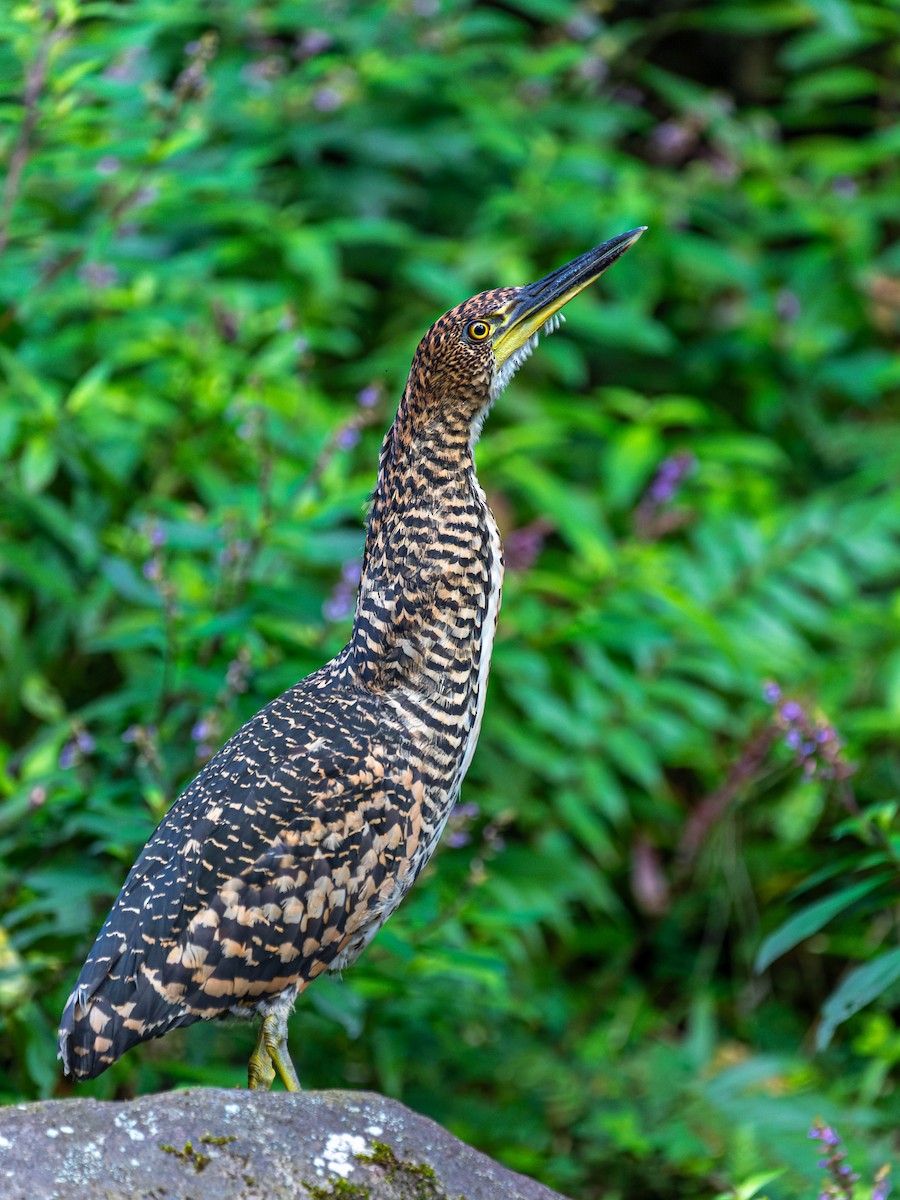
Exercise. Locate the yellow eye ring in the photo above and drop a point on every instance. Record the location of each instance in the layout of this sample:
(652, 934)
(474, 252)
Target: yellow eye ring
(478, 331)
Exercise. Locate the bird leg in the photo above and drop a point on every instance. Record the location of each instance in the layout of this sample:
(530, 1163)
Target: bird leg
(260, 1071)
(276, 1037)
(271, 1055)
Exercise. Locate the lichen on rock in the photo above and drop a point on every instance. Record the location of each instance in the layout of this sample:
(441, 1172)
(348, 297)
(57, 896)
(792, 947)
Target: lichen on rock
(213, 1144)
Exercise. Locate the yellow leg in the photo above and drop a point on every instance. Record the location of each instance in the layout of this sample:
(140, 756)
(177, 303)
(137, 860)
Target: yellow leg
(270, 1056)
(260, 1071)
(274, 1035)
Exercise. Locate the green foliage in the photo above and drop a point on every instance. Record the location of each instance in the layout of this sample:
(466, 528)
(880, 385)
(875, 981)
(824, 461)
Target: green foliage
(223, 228)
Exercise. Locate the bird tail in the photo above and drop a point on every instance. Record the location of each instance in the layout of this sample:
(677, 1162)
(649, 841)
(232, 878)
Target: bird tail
(101, 1021)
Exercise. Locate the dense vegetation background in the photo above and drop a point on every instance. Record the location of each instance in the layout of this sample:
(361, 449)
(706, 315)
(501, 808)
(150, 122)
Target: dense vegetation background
(662, 935)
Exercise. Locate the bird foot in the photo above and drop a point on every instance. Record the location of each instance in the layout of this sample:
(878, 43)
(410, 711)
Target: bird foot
(270, 1057)
(260, 1071)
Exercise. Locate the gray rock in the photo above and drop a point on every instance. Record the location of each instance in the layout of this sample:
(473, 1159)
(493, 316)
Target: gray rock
(212, 1144)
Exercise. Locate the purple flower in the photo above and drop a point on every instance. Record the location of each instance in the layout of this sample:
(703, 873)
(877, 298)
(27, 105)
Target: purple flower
(127, 67)
(817, 745)
(882, 1187)
(469, 810)
(787, 305)
(669, 475)
(157, 536)
(580, 26)
(348, 437)
(200, 731)
(673, 141)
(368, 396)
(523, 545)
(260, 74)
(594, 69)
(351, 572)
(772, 692)
(237, 673)
(81, 743)
(846, 188)
(338, 606)
(108, 165)
(458, 838)
(313, 42)
(234, 552)
(830, 1136)
(85, 742)
(723, 167)
(98, 275)
(150, 570)
(327, 99)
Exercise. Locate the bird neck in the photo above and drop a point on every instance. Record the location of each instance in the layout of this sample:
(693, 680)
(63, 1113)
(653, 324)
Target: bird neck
(433, 566)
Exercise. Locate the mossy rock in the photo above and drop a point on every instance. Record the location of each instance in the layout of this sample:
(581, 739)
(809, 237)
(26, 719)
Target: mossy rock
(212, 1144)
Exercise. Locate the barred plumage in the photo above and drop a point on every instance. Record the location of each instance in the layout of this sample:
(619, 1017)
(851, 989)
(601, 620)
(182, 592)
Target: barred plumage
(301, 836)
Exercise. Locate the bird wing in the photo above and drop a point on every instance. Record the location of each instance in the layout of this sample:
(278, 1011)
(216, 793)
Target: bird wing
(279, 854)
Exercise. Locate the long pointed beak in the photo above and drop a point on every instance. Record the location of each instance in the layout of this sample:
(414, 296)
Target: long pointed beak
(536, 303)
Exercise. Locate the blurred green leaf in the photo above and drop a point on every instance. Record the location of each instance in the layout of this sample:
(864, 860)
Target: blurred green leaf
(811, 919)
(859, 988)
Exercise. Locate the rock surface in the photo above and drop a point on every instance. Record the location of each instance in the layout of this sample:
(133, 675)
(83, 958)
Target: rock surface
(212, 1144)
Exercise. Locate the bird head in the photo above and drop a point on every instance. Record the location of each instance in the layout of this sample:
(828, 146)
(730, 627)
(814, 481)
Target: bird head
(470, 354)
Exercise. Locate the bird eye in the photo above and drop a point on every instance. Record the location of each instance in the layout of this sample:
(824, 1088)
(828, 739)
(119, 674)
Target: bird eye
(478, 330)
